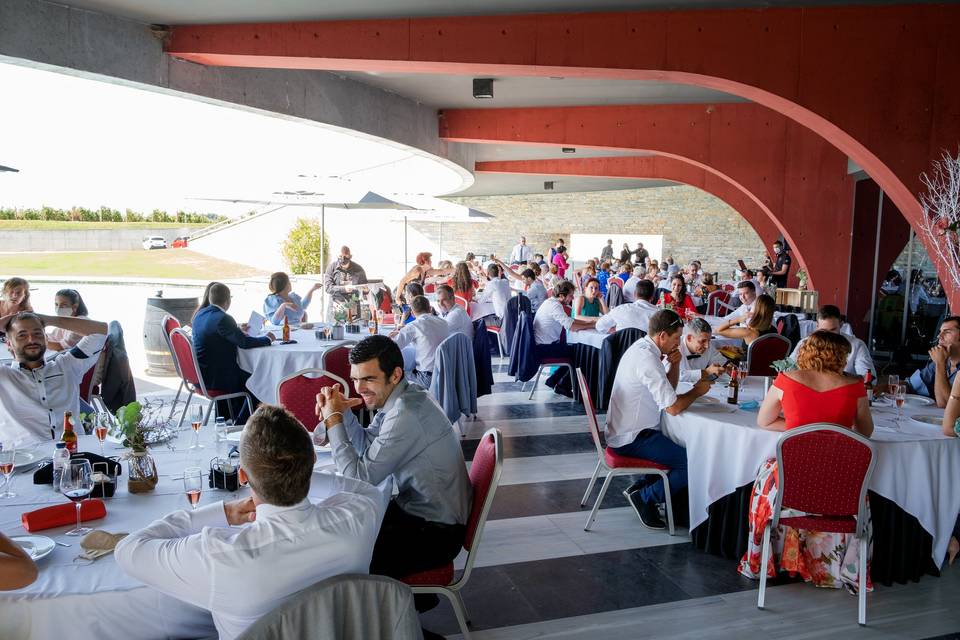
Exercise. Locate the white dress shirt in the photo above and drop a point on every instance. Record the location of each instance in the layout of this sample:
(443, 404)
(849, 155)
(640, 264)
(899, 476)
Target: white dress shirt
(859, 360)
(550, 321)
(498, 292)
(636, 315)
(692, 364)
(521, 253)
(537, 294)
(32, 401)
(425, 334)
(242, 573)
(641, 391)
(458, 321)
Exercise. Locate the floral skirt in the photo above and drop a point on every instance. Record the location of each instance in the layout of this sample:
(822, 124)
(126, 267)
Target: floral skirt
(825, 559)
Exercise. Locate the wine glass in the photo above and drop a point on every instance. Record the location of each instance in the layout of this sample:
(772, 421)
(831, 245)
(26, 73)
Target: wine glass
(743, 367)
(100, 428)
(195, 424)
(77, 483)
(893, 381)
(900, 396)
(193, 485)
(8, 456)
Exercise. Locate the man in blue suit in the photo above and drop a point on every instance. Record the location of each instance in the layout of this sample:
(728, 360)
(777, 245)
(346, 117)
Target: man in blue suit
(216, 338)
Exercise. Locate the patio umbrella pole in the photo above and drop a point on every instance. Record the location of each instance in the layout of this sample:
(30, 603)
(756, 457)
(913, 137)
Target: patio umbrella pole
(323, 264)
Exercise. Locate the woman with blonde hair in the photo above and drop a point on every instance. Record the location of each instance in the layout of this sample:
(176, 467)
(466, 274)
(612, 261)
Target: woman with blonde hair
(816, 392)
(759, 322)
(16, 297)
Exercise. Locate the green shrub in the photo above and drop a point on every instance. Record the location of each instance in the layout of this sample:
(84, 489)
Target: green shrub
(8, 214)
(301, 249)
(32, 214)
(132, 216)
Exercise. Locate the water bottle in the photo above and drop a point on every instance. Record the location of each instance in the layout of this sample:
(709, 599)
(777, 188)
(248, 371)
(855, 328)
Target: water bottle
(220, 431)
(61, 458)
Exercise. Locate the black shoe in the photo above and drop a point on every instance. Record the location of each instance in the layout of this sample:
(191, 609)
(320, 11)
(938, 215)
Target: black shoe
(646, 511)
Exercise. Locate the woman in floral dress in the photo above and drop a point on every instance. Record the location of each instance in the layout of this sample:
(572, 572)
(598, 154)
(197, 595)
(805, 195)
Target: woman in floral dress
(817, 391)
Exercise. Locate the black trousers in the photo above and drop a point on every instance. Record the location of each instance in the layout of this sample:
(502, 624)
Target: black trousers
(409, 544)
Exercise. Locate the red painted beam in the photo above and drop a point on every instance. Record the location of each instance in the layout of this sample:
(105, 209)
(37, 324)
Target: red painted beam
(879, 83)
(792, 174)
(656, 168)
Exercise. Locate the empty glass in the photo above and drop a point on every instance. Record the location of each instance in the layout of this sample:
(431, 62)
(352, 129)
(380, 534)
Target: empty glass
(8, 458)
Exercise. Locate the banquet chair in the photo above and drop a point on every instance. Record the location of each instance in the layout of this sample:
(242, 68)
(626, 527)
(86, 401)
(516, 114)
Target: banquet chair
(463, 303)
(485, 477)
(718, 303)
(823, 469)
(90, 387)
(496, 336)
(615, 464)
(297, 393)
(763, 352)
(186, 357)
(168, 324)
(344, 606)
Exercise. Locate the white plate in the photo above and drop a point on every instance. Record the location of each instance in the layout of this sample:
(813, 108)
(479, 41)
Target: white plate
(36, 546)
(932, 420)
(913, 400)
(25, 458)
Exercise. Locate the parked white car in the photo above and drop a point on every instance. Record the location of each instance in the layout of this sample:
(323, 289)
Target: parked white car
(154, 242)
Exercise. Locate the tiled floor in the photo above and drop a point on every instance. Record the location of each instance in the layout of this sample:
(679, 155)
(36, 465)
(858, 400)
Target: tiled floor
(539, 575)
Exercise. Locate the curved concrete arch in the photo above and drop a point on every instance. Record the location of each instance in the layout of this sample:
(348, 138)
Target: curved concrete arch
(760, 219)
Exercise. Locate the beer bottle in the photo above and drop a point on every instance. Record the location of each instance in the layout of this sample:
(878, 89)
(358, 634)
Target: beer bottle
(733, 388)
(868, 385)
(69, 437)
(286, 329)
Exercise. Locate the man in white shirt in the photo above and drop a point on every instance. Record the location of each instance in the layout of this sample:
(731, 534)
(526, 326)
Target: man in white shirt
(637, 314)
(425, 333)
(242, 559)
(532, 287)
(456, 318)
(859, 360)
(630, 286)
(699, 359)
(549, 323)
(747, 294)
(496, 291)
(521, 253)
(34, 394)
(641, 390)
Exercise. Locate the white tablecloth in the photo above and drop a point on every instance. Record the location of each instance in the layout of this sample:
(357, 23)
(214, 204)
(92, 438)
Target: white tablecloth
(916, 468)
(595, 338)
(96, 601)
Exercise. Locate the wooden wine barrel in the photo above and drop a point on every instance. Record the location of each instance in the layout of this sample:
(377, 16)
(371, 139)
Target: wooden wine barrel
(159, 360)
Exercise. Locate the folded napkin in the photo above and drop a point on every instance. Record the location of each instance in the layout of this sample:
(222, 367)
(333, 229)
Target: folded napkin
(44, 475)
(62, 514)
(752, 405)
(99, 543)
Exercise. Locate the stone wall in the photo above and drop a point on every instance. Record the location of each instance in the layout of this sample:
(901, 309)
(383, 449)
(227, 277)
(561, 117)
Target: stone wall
(693, 223)
(117, 239)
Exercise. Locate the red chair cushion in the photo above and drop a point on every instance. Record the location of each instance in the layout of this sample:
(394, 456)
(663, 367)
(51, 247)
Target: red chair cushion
(616, 461)
(828, 524)
(299, 396)
(493, 329)
(441, 576)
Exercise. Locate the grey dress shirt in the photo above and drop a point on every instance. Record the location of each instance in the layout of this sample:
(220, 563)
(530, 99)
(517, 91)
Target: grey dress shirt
(411, 439)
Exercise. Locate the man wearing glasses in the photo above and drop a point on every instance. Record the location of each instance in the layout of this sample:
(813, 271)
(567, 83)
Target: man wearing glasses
(641, 390)
(935, 379)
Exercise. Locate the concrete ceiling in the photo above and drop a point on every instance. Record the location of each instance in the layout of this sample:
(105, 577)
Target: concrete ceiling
(496, 152)
(498, 184)
(456, 91)
(223, 11)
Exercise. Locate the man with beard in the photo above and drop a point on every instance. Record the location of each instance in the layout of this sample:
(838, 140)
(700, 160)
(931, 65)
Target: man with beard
(411, 439)
(34, 394)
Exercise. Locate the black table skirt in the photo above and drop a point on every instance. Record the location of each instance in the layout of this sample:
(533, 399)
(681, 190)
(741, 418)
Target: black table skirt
(587, 359)
(901, 547)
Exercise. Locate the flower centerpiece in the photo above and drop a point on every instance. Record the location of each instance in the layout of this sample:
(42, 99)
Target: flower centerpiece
(802, 277)
(141, 425)
(787, 364)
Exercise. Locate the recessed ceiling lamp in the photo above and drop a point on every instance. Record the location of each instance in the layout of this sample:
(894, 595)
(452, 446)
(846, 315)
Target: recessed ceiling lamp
(568, 150)
(548, 185)
(482, 88)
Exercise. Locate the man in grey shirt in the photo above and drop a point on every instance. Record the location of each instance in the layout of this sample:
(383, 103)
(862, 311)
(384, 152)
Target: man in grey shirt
(411, 439)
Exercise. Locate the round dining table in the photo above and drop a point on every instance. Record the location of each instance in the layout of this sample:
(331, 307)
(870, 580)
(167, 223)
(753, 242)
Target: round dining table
(84, 600)
(916, 466)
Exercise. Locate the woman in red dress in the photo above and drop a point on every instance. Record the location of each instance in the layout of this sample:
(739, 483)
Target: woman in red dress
(463, 284)
(817, 391)
(679, 300)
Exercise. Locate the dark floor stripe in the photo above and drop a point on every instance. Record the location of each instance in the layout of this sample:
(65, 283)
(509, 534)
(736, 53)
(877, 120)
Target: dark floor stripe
(530, 409)
(529, 592)
(548, 498)
(542, 445)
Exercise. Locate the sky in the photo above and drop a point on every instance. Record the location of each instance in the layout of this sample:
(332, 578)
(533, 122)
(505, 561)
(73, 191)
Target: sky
(83, 142)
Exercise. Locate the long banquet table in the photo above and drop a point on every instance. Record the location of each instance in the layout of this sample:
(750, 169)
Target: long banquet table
(915, 470)
(84, 601)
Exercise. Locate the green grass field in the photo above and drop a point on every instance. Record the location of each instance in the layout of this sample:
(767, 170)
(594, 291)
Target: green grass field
(53, 225)
(161, 263)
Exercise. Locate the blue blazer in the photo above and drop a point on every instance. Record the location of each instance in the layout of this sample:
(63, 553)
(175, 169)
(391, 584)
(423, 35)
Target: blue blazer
(216, 337)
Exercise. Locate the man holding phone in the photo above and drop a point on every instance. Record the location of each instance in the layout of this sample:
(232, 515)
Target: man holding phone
(699, 359)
